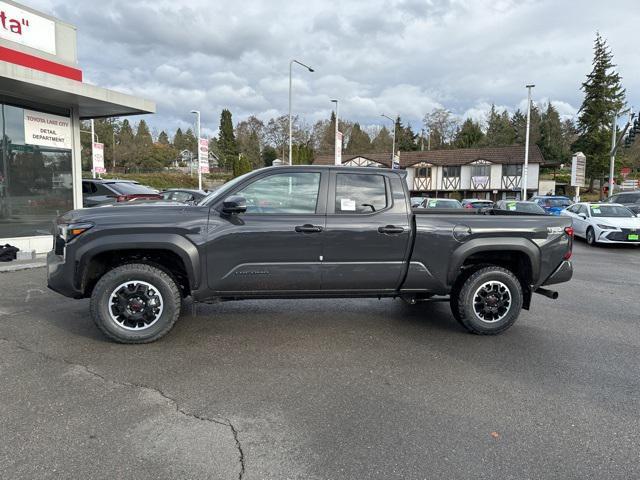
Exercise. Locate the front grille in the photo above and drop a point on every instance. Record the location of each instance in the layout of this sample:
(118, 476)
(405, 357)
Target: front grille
(623, 236)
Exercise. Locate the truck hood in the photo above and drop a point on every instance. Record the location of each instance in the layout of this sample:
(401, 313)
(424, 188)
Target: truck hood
(127, 213)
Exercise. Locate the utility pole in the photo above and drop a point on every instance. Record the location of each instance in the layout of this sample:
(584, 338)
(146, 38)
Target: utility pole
(197, 114)
(615, 142)
(337, 147)
(393, 139)
(290, 87)
(113, 150)
(525, 169)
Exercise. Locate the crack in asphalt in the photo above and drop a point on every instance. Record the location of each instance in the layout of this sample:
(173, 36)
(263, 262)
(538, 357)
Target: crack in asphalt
(225, 422)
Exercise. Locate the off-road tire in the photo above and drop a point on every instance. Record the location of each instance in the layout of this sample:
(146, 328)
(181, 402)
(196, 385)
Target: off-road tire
(464, 302)
(160, 280)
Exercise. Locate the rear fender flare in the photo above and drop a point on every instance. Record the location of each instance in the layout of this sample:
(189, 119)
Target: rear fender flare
(504, 244)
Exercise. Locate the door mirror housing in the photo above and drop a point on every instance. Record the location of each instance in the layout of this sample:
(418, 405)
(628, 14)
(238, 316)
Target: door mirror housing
(234, 205)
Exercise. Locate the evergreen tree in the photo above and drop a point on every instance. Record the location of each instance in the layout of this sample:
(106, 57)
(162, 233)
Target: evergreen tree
(470, 135)
(269, 154)
(143, 135)
(604, 98)
(178, 140)
(382, 142)
(500, 132)
(551, 139)
(519, 125)
(126, 146)
(240, 165)
(163, 138)
(227, 144)
(249, 137)
(405, 137)
(359, 141)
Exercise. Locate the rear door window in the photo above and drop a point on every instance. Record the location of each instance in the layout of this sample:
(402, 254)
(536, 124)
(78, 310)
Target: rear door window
(360, 193)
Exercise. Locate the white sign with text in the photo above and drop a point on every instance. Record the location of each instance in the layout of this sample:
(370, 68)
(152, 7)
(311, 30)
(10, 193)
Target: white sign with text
(203, 155)
(98, 158)
(26, 28)
(47, 130)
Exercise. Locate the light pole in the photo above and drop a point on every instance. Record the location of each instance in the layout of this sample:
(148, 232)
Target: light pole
(290, 83)
(197, 114)
(338, 147)
(393, 139)
(525, 169)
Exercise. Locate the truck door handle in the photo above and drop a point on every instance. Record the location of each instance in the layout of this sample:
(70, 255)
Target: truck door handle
(390, 230)
(308, 228)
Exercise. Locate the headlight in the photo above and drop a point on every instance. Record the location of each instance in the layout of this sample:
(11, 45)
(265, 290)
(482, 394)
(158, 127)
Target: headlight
(70, 231)
(606, 227)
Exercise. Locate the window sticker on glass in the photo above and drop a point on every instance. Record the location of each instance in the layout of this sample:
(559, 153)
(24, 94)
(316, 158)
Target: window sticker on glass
(433, 203)
(595, 210)
(347, 205)
(511, 206)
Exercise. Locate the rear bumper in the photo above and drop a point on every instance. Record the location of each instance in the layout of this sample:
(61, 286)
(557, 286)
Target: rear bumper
(562, 274)
(60, 276)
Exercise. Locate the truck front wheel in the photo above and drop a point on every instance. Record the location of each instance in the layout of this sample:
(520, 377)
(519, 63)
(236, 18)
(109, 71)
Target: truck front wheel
(489, 301)
(135, 303)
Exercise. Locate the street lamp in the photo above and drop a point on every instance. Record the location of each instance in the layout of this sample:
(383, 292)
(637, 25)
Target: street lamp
(525, 170)
(338, 147)
(393, 139)
(197, 114)
(290, 77)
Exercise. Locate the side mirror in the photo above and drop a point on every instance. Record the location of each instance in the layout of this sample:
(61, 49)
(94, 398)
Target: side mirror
(234, 205)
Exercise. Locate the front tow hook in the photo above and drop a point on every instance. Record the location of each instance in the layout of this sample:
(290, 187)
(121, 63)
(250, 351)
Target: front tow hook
(552, 294)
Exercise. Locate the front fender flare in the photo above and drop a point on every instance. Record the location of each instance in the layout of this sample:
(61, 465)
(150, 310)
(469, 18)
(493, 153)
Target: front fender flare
(177, 244)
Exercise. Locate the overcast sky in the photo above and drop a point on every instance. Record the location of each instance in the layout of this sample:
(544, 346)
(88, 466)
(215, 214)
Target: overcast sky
(395, 57)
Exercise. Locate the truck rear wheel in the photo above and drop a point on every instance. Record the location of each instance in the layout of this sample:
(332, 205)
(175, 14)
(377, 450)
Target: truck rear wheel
(135, 303)
(489, 301)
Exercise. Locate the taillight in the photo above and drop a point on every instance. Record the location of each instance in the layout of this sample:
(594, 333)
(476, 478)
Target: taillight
(569, 232)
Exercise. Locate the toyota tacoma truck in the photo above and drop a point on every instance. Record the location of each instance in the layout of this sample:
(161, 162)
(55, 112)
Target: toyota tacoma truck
(304, 232)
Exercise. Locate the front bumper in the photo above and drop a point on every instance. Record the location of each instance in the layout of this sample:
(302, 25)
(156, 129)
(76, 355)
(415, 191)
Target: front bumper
(60, 275)
(562, 274)
(617, 236)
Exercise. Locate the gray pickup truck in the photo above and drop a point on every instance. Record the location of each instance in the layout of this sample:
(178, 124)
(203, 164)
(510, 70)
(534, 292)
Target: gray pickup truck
(303, 231)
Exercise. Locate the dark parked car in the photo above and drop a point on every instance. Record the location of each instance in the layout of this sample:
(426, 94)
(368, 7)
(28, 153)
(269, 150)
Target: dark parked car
(97, 192)
(631, 200)
(183, 195)
(553, 205)
(520, 206)
(301, 232)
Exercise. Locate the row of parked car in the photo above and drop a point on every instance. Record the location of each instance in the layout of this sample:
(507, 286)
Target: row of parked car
(614, 221)
(97, 192)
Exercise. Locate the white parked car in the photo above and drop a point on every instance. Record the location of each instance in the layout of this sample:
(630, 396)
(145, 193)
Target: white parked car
(604, 223)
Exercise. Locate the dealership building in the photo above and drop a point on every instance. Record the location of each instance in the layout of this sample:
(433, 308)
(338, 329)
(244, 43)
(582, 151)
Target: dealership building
(42, 100)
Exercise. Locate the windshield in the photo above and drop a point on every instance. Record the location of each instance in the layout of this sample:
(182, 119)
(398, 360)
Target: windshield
(443, 204)
(126, 188)
(223, 189)
(481, 204)
(555, 202)
(610, 211)
(525, 207)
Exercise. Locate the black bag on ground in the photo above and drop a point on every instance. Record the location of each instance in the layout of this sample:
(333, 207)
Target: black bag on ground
(8, 253)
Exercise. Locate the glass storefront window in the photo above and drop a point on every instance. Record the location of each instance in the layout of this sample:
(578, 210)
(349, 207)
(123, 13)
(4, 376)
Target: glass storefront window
(35, 181)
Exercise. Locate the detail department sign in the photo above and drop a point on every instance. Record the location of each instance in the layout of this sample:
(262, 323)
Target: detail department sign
(47, 130)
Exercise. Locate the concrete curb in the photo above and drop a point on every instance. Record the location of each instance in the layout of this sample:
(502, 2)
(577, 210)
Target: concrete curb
(16, 266)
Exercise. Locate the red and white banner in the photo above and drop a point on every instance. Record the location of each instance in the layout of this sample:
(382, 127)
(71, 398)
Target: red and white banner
(26, 28)
(97, 154)
(203, 155)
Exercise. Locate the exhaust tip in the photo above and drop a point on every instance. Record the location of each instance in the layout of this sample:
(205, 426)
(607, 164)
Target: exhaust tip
(552, 294)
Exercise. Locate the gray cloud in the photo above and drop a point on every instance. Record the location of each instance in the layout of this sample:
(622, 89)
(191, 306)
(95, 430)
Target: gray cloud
(405, 57)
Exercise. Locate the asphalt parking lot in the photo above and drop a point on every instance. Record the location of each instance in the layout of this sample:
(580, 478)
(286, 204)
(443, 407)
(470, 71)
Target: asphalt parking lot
(328, 389)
